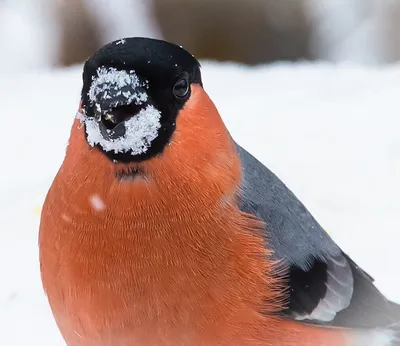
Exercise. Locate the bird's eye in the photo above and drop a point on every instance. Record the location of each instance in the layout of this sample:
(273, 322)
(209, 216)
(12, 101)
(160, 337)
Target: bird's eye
(181, 88)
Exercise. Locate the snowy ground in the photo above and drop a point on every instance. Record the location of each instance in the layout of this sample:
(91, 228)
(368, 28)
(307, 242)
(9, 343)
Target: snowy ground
(332, 133)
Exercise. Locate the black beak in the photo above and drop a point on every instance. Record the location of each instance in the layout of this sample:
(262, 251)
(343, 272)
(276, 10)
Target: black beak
(113, 106)
(112, 123)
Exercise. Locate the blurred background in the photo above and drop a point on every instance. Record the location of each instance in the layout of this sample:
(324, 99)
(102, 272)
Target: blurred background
(330, 130)
(51, 33)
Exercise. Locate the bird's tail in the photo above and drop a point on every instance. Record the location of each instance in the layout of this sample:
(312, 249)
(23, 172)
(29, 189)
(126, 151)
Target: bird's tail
(395, 326)
(384, 335)
(395, 310)
(396, 335)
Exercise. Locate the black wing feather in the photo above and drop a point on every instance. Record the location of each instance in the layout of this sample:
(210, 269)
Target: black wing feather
(325, 285)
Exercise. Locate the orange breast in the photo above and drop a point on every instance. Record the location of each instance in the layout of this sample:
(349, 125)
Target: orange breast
(122, 273)
(165, 258)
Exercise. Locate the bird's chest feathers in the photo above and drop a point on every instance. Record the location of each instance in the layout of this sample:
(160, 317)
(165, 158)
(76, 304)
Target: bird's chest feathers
(155, 265)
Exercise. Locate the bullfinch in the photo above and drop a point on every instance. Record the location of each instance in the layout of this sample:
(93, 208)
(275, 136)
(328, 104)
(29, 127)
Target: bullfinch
(159, 229)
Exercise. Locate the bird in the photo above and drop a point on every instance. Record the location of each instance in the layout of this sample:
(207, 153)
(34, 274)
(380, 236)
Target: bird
(160, 229)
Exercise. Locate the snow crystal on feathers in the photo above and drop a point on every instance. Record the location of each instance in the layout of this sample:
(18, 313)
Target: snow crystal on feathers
(109, 78)
(140, 131)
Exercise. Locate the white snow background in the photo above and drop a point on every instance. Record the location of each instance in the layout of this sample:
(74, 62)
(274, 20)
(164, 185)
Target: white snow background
(330, 132)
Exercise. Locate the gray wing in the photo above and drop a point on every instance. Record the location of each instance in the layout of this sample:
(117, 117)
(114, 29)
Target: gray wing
(325, 285)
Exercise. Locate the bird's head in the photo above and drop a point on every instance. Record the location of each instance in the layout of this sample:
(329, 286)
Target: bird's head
(133, 91)
(143, 105)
